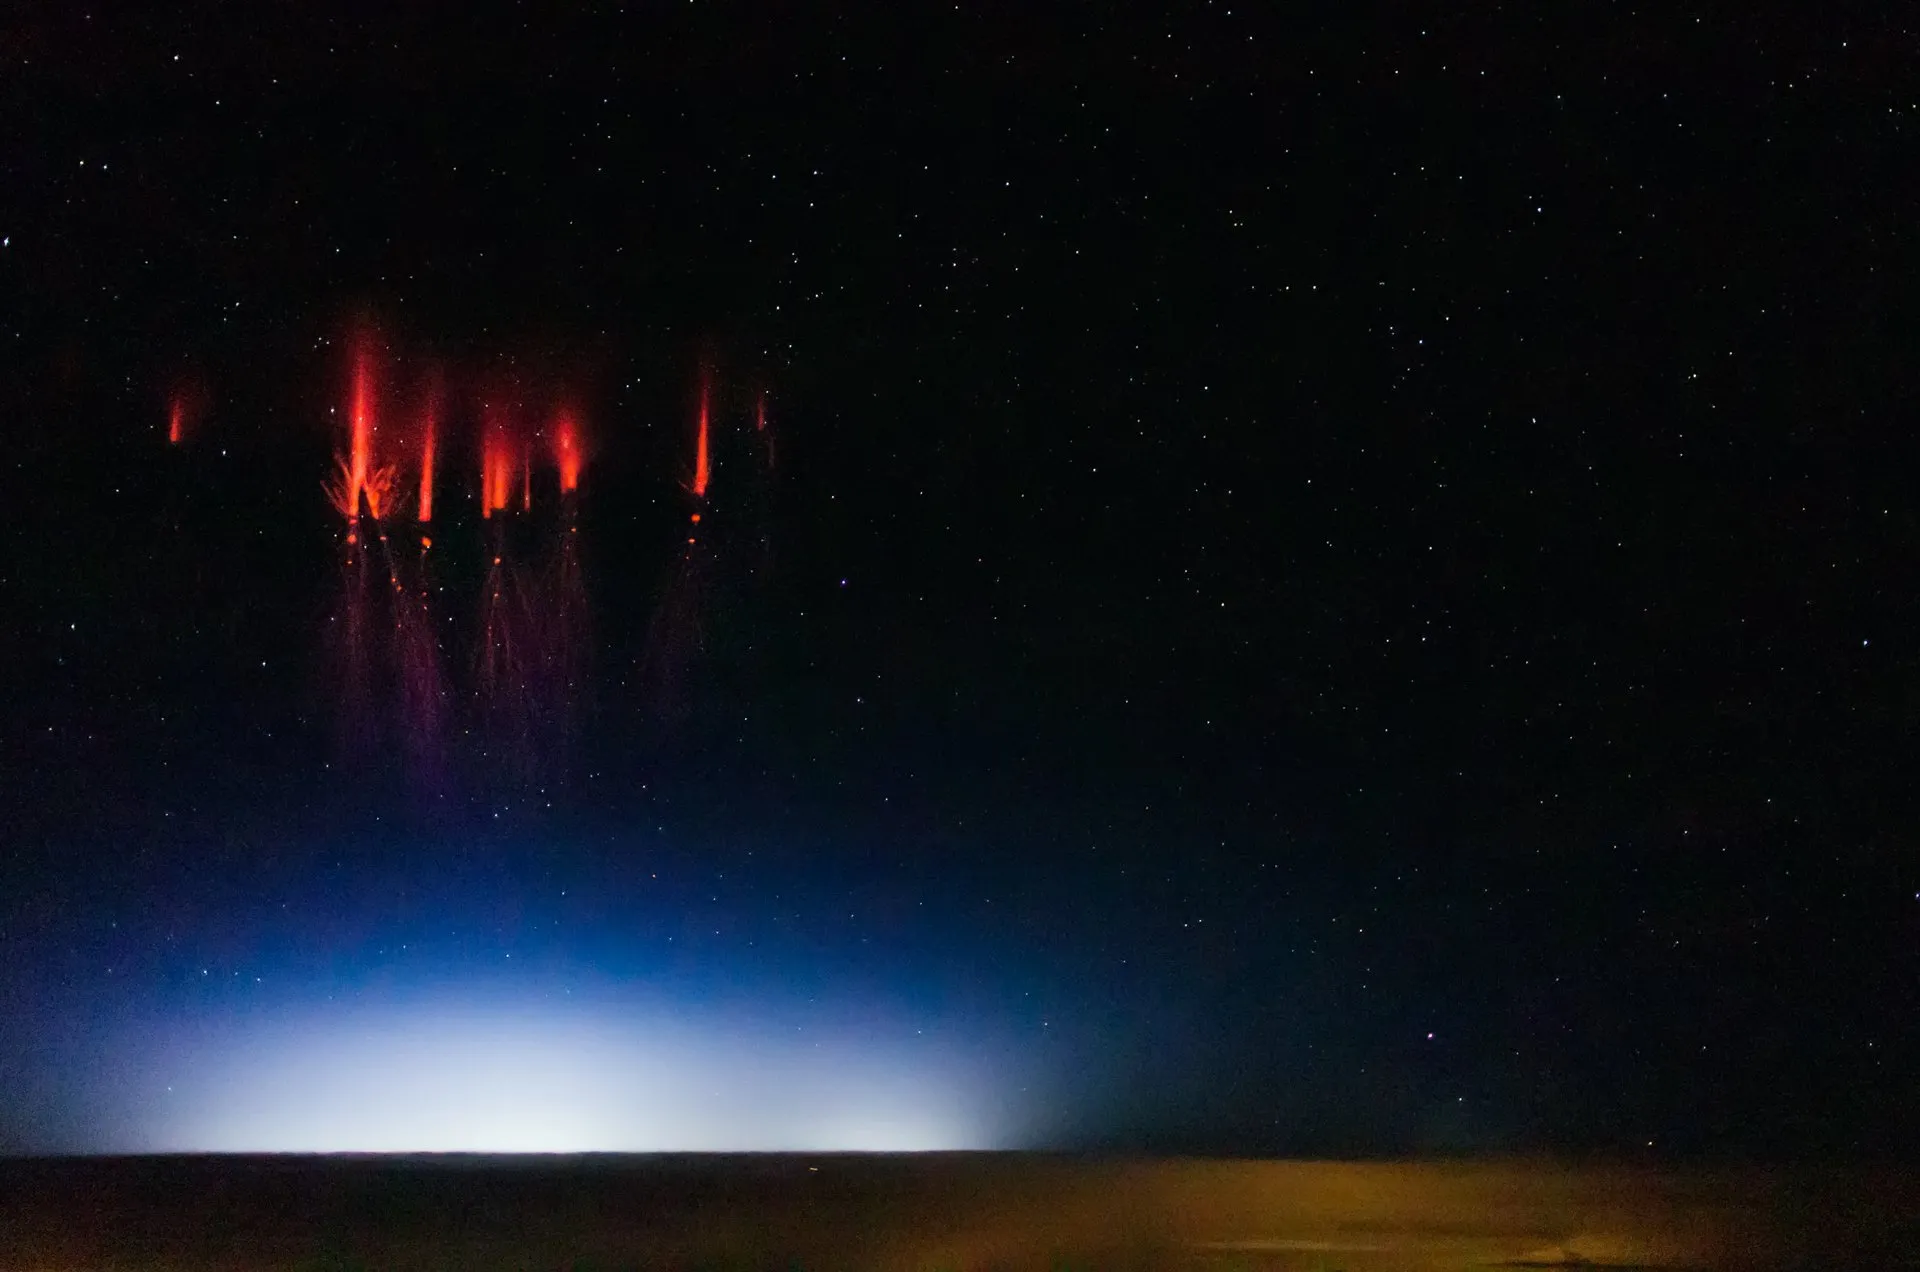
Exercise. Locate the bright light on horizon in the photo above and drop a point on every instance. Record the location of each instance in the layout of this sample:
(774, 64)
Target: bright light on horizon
(543, 1079)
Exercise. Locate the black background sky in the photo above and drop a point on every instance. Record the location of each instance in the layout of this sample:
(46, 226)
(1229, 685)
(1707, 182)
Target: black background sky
(1291, 535)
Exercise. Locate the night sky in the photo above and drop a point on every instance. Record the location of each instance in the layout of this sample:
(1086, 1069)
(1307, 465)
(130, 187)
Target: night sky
(1318, 585)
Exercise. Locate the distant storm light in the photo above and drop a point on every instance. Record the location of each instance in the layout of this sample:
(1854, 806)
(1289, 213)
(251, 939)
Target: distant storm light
(546, 1081)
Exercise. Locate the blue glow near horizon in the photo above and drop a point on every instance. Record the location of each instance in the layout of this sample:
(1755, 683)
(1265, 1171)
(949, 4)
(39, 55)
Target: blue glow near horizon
(489, 1074)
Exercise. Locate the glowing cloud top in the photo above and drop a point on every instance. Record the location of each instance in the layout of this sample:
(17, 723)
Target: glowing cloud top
(537, 1079)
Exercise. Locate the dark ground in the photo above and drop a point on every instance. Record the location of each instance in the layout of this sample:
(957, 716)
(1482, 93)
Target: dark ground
(941, 1211)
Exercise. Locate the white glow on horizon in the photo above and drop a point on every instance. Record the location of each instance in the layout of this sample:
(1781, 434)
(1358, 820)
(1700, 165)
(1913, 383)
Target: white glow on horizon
(545, 1079)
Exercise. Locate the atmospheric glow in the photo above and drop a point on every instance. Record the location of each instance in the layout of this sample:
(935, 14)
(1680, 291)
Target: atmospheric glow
(359, 470)
(358, 481)
(496, 466)
(542, 1078)
(701, 464)
(566, 452)
(429, 437)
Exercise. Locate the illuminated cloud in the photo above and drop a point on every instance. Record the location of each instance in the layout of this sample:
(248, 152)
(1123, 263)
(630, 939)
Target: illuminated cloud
(542, 1078)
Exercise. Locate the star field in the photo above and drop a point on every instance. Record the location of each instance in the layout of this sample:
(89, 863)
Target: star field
(1328, 586)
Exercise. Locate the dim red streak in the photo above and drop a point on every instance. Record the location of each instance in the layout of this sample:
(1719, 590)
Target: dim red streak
(700, 460)
(362, 437)
(496, 471)
(566, 453)
(426, 470)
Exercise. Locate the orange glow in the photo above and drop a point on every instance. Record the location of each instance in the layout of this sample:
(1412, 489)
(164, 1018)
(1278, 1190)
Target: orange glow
(357, 478)
(426, 472)
(566, 452)
(429, 430)
(345, 495)
(701, 466)
(176, 421)
(496, 469)
(361, 423)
